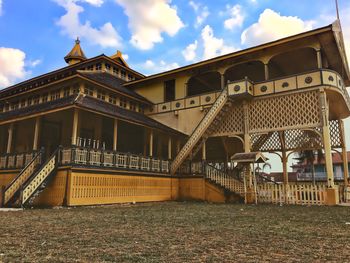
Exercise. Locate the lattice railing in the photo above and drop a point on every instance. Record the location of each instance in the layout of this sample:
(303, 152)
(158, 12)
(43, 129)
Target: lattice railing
(111, 159)
(200, 130)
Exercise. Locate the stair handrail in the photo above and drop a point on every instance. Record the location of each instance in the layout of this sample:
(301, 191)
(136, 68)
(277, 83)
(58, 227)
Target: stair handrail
(265, 178)
(27, 191)
(9, 191)
(175, 164)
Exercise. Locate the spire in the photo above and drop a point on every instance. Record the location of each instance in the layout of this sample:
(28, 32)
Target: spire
(119, 58)
(76, 55)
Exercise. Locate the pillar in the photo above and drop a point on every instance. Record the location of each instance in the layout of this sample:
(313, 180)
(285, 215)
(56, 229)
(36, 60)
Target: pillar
(344, 153)
(151, 143)
(36, 134)
(115, 135)
(332, 195)
(169, 148)
(222, 81)
(204, 151)
(285, 167)
(266, 69)
(75, 126)
(319, 58)
(9, 138)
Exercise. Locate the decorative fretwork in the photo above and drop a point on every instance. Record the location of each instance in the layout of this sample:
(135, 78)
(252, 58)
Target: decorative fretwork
(232, 124)
(334, 129)
(288, 111)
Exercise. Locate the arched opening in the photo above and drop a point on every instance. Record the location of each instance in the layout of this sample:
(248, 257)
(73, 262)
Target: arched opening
(293, 62)
(254, 70)
(203, 83)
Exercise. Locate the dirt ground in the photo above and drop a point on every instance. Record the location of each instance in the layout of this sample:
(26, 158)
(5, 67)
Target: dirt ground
(176, 232)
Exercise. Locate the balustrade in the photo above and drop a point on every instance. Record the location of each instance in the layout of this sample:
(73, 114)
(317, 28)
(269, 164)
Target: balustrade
(16, 160)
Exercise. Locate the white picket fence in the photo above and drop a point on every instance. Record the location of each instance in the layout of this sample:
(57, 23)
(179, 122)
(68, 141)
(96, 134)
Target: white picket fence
(291, 194)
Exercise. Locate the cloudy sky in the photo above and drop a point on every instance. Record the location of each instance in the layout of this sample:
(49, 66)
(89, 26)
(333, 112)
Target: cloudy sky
(154, 35)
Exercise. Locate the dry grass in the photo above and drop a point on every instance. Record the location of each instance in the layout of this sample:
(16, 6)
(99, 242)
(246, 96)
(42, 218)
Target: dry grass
(176, 232)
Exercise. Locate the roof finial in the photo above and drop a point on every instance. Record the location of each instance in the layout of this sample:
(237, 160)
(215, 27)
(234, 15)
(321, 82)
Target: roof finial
(77, 41)
(76, 55)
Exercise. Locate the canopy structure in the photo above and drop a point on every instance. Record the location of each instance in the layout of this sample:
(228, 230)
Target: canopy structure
(252, 157)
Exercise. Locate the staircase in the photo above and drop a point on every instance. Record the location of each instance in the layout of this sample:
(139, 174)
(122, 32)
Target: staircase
(202, 131)
(38, 182)
(224, 180)
(31, 180)
(12, 191)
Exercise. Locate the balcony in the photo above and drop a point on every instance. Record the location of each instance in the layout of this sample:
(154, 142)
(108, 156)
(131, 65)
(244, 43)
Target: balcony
(331, 80)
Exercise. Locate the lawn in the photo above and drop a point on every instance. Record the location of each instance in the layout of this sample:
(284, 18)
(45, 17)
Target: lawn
(176, 232)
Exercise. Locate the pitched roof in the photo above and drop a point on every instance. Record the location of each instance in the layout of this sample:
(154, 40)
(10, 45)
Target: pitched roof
(75, 53)
(112, 82)
(119, 58)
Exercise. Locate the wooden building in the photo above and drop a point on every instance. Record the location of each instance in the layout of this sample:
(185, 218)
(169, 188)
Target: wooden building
(98, 132)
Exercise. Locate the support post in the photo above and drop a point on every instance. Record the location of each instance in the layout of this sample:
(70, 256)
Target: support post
(204, 151)
(344, 153)
(169, 148)
(151, 143)
(266, 70)
(285, 168)
(319, 58)
(9, 138)
(332, 191)
(115, 135)
(75, 126)
(36, 134)
(222, 81)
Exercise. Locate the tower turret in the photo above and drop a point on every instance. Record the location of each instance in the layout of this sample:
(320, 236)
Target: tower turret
(76, 55)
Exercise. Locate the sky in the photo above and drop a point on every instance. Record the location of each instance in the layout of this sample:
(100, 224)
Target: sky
(153, 35)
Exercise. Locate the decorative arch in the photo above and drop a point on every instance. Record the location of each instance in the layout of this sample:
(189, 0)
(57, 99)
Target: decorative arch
(204, 83)
(293, 62)
(254, 70)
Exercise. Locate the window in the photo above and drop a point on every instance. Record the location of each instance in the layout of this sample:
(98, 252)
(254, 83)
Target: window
(36, 99)
(115, 70)
(169, 90)
(123, 74)
(132, 106)
(130, 77)
(108, 67)
(44, 97)
(66, 92)
(23, 103)
(75, 89)
(55, 95)
(112, 99)
(141, 109)
(30, 101)
(90, 67)
(98, 66)
(89, 91)
(101, 95)
(15, 105)
(122, 102)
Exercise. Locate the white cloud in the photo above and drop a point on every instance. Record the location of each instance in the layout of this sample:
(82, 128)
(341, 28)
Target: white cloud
(33, 63)
(148, 19)
(201, 11)
(12, 68)
(236, 17)
(213, 46)
(125, 56)
(105, 36)
(151, 67)
(0, 7)
(272, 26)
(190, 51)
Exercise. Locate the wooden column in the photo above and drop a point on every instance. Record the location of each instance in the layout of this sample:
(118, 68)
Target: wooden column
(9, 138)
(319, 58)
(344, 153)
(266, 69)
(169, 148)
(222, 81)
(326, 139)
(204, 151)
(36, 134)
(75, 126)
(285, 167)
(151, 143)
(115, 135)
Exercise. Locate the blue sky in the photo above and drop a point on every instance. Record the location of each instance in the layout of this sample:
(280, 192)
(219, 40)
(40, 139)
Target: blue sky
(153, 35)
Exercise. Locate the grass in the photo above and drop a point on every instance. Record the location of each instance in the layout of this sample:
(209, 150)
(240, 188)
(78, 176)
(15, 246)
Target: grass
(176, 232)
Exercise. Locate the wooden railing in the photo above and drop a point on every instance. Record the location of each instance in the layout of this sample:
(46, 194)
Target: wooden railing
(16, 160)
(199, 130)
(37, 181)
(17, 183)
(108, 159)
(291, 194)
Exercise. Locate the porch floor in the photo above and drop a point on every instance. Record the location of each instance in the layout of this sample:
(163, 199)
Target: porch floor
(176, 232)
